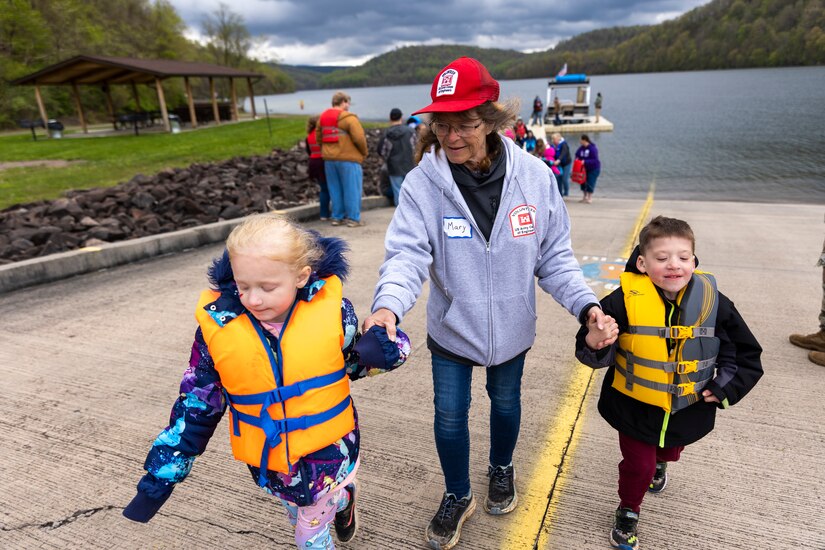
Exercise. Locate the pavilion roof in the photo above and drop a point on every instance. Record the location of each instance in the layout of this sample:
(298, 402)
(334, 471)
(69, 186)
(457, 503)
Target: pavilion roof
(98, 69)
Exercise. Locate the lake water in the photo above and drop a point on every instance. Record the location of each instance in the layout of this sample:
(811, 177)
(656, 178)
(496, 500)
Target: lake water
(743, 135)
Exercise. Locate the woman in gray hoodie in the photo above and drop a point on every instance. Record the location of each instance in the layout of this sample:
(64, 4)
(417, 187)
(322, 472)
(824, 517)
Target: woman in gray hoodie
(481, 219)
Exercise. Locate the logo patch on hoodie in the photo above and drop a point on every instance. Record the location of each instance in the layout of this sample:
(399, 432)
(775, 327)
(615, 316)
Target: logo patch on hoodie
(523, 220)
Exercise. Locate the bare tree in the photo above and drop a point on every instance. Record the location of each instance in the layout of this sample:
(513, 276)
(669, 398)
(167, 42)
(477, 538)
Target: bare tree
(229, 39)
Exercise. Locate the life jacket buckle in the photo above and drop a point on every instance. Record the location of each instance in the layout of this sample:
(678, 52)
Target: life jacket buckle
(685, 389)
(686, 367)
(681, 332)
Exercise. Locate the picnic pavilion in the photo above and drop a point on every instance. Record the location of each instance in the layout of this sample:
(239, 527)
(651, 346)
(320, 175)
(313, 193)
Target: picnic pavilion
(102, 71)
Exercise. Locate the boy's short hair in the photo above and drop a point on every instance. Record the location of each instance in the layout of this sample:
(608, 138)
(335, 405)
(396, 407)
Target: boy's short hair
(395, 114)
(661, 226)
(340, 97)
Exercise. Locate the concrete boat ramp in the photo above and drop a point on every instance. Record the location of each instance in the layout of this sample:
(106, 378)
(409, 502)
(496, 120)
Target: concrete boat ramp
(90, 366)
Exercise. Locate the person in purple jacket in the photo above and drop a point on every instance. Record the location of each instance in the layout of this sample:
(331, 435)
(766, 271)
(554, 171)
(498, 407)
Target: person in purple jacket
(592, 166)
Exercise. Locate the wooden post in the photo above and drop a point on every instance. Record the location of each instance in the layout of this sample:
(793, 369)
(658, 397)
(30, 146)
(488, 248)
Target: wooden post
(137, 96)
(79, 107)
(41, 107)
(234, 98)
(192, 116)
(110, 105)
(251, 97)
(215, 111)
(162, 102)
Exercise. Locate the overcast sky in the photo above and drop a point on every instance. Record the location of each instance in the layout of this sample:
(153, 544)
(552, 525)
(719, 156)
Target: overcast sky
(338, 32)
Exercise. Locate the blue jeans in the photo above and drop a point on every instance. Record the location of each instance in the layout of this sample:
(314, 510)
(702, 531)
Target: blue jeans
(345, 181)
(590, 182)
(395, 182)
(452, 384)
(323, 198)
(563, 180)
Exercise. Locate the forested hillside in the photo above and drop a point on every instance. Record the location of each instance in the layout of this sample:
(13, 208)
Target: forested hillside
(723, 34)
(37, 33)
(413, 64)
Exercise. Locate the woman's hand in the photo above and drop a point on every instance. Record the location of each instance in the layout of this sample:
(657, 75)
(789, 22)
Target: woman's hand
(383, 318)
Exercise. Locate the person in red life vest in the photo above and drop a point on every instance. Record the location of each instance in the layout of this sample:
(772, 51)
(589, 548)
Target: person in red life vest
(683, 352)
(343, 147)
(316, 167)
(521, 132)
(277, 344)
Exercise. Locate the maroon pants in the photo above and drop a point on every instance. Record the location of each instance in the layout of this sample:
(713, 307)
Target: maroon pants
(637, 468)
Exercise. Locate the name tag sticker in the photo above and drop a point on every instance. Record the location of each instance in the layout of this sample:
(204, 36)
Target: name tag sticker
(523, 220)
(457, 228)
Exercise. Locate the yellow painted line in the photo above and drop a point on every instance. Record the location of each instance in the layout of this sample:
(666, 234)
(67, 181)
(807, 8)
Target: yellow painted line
(534, 512)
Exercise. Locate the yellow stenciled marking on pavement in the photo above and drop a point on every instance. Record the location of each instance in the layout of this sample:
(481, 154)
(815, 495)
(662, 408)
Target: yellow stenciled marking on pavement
(532, 517)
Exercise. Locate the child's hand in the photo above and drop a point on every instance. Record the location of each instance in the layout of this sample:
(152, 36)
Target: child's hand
(602, 330)
(709, 397)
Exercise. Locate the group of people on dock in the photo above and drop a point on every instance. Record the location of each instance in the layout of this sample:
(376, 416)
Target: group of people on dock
(277, 343)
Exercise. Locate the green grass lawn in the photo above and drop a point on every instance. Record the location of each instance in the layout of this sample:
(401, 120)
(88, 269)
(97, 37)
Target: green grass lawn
(107, 161)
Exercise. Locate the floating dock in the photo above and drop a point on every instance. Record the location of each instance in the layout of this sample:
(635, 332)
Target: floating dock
(589, 126)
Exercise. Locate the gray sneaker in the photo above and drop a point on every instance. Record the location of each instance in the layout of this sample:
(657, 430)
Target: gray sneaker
(444, 530)
(501, 494)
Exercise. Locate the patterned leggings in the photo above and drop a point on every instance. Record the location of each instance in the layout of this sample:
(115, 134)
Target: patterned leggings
(312, 522)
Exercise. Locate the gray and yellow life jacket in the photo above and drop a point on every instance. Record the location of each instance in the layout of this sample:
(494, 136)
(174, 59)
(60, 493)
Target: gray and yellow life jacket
(645, 369)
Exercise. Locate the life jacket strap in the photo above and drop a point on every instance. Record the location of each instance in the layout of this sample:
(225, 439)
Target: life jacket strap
(273, 429)
(677, 332)
(679, 390)
(278, 395)
(679, 367)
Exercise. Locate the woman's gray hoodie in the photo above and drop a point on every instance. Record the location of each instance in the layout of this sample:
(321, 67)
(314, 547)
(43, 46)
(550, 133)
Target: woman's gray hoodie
(482, 303)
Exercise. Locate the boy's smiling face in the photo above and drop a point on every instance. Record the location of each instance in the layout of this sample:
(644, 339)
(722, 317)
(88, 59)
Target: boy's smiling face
(669, 262)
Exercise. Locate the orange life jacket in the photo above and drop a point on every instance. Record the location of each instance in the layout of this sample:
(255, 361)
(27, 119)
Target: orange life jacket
(314, 148)
(328, 121)
(287, 402)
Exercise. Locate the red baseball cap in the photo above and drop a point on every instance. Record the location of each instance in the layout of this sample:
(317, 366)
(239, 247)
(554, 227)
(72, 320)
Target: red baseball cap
(463, 84)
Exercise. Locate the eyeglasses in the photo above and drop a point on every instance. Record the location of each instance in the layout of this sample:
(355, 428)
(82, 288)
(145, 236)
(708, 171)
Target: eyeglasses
(442, 129)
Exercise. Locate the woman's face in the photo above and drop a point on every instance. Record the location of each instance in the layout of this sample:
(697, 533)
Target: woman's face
(466, 140)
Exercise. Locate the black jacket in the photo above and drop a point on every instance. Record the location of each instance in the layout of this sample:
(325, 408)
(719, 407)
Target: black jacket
(738, 369)
(563, 154)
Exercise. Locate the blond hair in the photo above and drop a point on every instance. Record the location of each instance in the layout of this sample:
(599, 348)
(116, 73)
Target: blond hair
(276, 238)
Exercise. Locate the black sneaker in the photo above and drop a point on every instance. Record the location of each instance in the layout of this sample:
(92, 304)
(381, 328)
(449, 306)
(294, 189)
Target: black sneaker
(623, 534)
(444, 530)
(346, 520)
(501, 495)
(659, 481)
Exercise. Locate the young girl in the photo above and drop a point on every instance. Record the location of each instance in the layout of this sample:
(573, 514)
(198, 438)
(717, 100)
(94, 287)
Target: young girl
(277, 344)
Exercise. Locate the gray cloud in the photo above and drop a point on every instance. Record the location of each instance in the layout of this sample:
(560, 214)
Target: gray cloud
(335, 32)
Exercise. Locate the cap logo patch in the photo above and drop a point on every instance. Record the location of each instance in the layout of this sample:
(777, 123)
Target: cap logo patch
(447, 83)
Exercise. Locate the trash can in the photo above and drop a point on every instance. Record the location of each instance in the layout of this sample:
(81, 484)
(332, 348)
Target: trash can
(55, 128)
(174, 123)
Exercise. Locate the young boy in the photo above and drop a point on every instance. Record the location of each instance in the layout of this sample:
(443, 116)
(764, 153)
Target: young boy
(683, 351)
